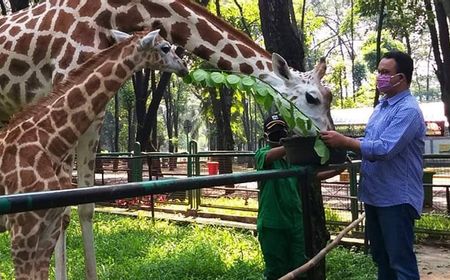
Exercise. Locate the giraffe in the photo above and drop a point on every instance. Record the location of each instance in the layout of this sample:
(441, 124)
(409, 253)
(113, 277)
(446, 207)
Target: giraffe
(36, 146)
(39, 46)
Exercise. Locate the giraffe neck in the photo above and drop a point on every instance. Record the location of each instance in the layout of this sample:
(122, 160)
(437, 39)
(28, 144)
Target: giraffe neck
(68, 111)
(191, 26)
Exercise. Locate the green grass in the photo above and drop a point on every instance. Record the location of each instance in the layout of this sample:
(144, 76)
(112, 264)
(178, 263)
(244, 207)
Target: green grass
(134, 248)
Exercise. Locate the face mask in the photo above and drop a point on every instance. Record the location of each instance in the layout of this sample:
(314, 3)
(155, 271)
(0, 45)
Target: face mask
(277, 135)
(384, 82)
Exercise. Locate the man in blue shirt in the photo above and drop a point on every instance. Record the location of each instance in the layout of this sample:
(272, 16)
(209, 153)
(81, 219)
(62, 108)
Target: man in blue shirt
(391, 170)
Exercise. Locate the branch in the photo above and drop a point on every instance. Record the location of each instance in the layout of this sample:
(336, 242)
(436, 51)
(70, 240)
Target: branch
(313, 262)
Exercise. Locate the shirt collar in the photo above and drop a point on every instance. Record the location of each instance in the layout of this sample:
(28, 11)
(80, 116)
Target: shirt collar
(396, 98)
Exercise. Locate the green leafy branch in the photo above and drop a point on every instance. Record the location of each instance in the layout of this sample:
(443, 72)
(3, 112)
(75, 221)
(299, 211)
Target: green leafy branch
(266, 96)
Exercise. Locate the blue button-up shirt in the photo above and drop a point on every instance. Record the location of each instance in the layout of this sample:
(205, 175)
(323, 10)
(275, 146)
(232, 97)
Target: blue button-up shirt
(392, 149)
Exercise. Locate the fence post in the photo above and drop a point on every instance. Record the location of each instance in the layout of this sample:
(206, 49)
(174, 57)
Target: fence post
(427, 179)
(136, 164)
(353, 192)
(193, 169)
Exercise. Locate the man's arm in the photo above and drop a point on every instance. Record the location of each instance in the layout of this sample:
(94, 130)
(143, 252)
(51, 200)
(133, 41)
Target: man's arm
(336, 140)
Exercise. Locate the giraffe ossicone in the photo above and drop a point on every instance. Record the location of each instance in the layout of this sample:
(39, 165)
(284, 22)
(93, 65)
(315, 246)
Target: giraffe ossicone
(36, 147)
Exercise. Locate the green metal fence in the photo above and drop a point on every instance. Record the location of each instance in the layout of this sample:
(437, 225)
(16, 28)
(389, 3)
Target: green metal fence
(339, 193)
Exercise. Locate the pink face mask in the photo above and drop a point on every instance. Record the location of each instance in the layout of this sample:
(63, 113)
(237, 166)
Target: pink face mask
(384, 82)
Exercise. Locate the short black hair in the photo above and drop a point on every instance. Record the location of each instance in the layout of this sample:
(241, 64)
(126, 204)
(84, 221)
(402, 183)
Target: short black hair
(405, 64)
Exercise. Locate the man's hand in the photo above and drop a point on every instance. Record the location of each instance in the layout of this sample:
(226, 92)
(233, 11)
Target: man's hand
(336, 140)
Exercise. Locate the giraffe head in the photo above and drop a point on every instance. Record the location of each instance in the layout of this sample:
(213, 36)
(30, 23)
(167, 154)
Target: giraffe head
(304, 89)
(158, 54)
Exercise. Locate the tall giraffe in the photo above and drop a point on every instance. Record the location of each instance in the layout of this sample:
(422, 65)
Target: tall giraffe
(36, 146)
(39, 46)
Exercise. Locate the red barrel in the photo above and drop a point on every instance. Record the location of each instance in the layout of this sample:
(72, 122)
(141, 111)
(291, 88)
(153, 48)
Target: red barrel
(213, 167)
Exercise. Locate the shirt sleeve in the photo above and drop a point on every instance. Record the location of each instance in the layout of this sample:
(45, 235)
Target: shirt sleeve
(260, 158)
(397, 135)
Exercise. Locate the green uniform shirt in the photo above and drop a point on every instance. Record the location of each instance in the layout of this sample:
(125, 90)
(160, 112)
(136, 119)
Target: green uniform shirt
(279, 200)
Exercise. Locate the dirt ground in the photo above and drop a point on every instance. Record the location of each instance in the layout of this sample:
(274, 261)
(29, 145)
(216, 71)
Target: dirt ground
(433, 261)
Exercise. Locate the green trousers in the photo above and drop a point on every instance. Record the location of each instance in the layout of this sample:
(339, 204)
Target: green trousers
(283, 250)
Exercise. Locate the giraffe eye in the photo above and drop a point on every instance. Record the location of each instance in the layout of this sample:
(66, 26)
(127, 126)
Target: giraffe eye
(311, 99)
(165, 49)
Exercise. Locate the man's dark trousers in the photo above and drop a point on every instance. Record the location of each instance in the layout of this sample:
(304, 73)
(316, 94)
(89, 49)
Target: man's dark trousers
(391, 234)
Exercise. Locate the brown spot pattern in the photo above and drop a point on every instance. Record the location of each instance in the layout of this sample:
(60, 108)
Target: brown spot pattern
(14, 93)
(75, 98)
(106, 69)
(112, 85)
(23, 44)
(42, 45)
(69, 135)
(156, 10)
(46, 169)
(104, 19)
(229, 50)
(57, 45)
(99, 102)
(207, 33)
(84, 34)
(59, 117)
(180, 9)
(9, 159)
(47, 71)
(224, 64)
(260, 65)
(64, 22)
(14, 31)
(31, 24)
(38, 10)
(57, 147)
(67, 58)
(89, 8)
(120, 72)
(32, 83)
(246, 51)
(4, 80)
(246, 68)
(80, 120)
(47, 20)
(123, 19)
(203, 52)
(92, 85)
(28, 178)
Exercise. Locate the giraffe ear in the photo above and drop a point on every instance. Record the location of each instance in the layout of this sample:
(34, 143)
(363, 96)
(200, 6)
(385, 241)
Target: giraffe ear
(119, 36)
(149, 40)
(280, 67)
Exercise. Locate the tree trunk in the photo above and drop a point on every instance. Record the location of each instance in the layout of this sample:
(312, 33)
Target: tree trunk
(17, 5)
(280, 32)
(221, 103)
(440, 43)
(379, 29)
(140, 85)
(3, 7)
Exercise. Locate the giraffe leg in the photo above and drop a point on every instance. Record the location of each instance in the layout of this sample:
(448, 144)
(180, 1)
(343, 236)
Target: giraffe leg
(33, 239)
(60, 249)
(87, 146)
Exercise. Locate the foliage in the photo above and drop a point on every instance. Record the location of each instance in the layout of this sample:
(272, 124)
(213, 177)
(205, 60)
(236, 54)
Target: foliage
(388, 43)
(349, 265)
(265, 95)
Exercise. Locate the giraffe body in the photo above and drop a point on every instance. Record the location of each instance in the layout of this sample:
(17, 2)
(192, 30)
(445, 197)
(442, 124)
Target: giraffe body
(39, 46)
(36, 146)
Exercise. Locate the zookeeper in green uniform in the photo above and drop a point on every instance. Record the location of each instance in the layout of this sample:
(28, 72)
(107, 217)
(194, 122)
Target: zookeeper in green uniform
(280, 217)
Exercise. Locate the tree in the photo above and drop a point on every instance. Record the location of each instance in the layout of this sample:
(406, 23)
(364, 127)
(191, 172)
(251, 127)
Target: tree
(17, 5)
(280, 31)
(441, 48)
